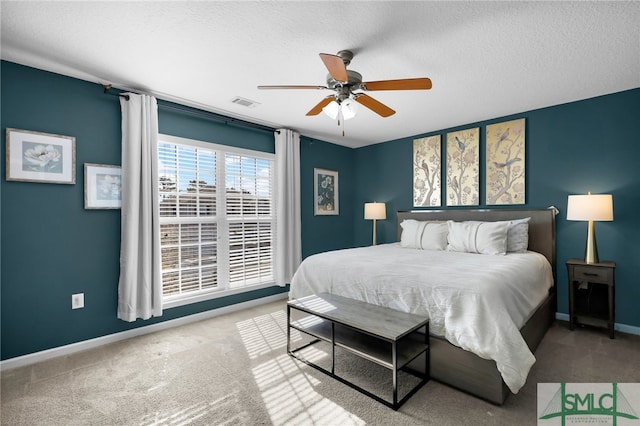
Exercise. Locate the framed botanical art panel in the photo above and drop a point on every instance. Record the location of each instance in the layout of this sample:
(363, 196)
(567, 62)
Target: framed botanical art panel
(463, 163)
(102, 186)
(506, 163)
(427, 157)
(40, 157)
(326, 199)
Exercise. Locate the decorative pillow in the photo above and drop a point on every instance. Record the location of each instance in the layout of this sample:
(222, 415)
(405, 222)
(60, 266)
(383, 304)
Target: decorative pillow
(478, 237)
(425, 235)
(434, 236)
(410, 233)
(518, 236)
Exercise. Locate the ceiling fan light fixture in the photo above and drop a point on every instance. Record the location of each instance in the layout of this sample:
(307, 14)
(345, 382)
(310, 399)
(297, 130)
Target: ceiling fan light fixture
(349, 109)
(343, 104)
(332, 109)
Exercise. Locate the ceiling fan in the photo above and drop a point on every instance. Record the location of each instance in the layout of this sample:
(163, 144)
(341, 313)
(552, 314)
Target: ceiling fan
(346, 85)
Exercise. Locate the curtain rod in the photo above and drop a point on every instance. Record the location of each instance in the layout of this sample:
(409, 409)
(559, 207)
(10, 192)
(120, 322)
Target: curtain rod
(198, 113)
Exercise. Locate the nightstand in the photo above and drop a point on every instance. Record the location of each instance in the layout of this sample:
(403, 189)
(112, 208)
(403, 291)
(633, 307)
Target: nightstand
(592, 294)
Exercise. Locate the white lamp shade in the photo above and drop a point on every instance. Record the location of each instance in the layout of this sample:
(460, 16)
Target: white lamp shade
(596, 207)
(332, 109)
(349, 109)
(375, 211)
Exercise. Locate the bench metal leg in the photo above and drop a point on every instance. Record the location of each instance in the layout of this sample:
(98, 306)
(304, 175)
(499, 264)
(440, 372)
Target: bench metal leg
(394, 361)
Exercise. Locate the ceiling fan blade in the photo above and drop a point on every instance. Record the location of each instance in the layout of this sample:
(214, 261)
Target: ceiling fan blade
(335, 65)
(323, 103)
(404, 84)
(292, 87)
(375, 106)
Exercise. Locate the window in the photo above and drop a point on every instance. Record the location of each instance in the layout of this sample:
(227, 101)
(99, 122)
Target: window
(217, 221)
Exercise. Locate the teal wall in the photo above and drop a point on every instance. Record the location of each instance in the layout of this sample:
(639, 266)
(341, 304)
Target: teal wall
(52, 247)
(590, 145)
(324, 233)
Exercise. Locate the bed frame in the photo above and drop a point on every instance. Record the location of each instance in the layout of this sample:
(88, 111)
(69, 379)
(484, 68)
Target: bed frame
(465, 370)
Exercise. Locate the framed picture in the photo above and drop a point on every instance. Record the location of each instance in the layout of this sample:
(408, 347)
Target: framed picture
(102, 186)
(40, 157)
(325, 184)
(463, 163)
(427, 171)
(506, 163)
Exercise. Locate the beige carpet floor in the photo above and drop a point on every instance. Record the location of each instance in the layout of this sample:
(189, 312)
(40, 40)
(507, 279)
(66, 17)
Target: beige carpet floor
(234, 370)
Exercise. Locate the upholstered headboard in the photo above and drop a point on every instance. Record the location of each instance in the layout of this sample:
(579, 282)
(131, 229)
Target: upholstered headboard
(542, 227)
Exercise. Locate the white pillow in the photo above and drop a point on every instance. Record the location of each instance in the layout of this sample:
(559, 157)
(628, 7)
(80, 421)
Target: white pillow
(478, 237)
(518, 236)
(434, 236)
(410, 233)
(425, 235)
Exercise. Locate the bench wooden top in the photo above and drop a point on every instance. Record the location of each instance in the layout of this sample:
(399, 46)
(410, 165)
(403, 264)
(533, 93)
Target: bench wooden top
(380, 321)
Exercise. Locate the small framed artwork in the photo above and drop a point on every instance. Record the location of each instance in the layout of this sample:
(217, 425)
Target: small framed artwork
(40, 157)
(325, 183)
(102, 186)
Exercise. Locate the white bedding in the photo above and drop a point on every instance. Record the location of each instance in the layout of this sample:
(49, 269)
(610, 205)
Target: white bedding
(477, 302)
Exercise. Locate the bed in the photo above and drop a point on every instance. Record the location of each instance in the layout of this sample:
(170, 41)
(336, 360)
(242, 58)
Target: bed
(477, 344)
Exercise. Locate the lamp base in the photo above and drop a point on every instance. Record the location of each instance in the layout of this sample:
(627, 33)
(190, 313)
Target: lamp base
(591, 249)
(374, 232)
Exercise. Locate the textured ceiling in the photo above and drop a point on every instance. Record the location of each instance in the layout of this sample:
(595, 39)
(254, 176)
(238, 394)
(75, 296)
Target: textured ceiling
(486, 59)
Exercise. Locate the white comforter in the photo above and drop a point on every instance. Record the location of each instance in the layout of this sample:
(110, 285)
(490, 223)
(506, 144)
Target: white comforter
(477, 302)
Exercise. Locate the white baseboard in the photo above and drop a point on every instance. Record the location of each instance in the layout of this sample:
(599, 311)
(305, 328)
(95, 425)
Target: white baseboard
(28, 359)
(624, 328)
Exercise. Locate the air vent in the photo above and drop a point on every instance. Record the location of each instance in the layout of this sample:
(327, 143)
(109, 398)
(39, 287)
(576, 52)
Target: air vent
(244, 102)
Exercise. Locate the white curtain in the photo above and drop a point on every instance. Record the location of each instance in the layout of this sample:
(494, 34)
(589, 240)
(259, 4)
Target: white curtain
(140, 286)
(288, 234)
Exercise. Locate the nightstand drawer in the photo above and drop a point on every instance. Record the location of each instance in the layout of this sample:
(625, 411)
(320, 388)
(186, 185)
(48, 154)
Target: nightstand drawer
(593, 274)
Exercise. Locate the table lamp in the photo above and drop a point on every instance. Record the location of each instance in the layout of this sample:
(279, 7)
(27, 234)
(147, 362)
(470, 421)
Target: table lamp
(375, 211)
(591, 208)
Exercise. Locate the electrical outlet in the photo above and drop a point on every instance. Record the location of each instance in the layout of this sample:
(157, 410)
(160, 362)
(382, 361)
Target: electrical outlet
(77, 301)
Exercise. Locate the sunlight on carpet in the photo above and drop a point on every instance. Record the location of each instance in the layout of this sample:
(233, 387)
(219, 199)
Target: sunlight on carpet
(264, 333)
(289, 395)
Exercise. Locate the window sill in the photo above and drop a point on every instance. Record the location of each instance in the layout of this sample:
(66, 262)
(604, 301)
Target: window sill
(175, 301)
